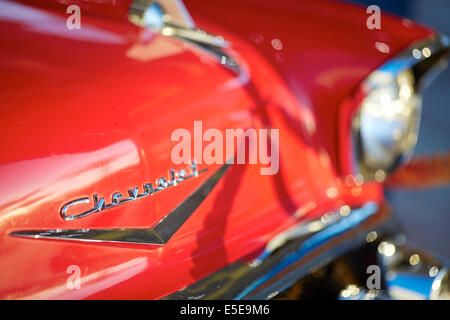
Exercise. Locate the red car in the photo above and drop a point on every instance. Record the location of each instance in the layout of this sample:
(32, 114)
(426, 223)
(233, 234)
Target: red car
(228, 150)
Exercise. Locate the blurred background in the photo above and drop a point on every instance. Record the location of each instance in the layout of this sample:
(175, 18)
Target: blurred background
(424, 208)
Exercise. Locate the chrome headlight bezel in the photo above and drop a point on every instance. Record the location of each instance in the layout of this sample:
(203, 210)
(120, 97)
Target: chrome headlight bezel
(384, 130)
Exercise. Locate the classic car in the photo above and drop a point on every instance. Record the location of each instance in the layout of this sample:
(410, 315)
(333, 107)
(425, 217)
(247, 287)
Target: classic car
(109, 108)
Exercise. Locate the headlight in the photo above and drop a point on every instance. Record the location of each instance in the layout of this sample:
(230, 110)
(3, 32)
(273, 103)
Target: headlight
(385, 129)
(387, 124)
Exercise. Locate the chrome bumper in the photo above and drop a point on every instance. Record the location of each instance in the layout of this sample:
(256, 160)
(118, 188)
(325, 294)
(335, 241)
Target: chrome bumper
(291, 256)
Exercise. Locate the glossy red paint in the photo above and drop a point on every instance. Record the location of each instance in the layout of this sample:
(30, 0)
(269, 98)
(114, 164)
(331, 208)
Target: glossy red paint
(92, 111)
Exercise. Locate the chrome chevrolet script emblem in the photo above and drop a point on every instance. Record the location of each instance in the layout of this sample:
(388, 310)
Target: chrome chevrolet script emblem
(158, 234)
(117, 199)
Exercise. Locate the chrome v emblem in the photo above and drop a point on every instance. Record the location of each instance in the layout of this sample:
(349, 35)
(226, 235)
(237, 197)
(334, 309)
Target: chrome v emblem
(158, 235)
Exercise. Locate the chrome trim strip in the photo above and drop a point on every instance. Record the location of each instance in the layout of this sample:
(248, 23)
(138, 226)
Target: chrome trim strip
(439, 284)
(276, 270)
(170, 18)
(160, 234)
(416, 53)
